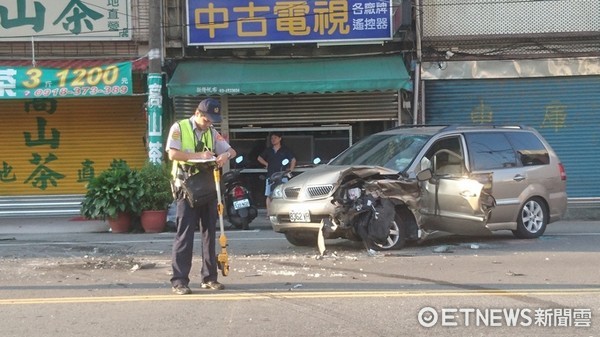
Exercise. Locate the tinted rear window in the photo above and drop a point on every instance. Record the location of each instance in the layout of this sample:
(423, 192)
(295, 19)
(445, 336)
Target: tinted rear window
(530, 149)
(490, 150)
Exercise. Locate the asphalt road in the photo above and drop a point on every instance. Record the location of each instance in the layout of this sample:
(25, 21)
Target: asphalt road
(103, 284)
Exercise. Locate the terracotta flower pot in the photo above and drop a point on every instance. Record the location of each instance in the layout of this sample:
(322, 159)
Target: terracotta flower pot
(121, 223)
(154, 221)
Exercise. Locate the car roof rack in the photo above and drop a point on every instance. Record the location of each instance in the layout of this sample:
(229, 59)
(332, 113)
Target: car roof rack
(407, 126)
(482, 126)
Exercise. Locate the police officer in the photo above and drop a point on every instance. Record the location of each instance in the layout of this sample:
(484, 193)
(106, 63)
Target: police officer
(191, 139)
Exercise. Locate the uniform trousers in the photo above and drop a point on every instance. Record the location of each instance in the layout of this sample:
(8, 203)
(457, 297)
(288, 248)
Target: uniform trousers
(188, 219)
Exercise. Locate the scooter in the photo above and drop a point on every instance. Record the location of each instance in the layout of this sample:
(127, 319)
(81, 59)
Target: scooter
(238, 199)
(279, 177)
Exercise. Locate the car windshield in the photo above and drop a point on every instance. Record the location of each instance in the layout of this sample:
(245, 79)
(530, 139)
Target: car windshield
(394, 151)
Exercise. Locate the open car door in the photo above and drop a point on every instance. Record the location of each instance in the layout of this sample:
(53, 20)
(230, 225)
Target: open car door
(453, 200)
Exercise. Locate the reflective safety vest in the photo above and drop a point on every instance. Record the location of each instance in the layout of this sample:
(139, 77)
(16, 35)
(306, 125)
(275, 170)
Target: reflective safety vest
(189, 142)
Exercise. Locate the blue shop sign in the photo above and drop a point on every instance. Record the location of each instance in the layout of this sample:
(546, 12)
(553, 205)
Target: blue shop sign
(269, 22)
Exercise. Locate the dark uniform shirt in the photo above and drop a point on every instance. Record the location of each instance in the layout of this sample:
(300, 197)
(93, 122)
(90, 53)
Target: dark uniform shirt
(274, 159)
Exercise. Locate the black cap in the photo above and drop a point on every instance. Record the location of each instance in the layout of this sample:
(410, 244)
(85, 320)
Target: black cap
(211, 108)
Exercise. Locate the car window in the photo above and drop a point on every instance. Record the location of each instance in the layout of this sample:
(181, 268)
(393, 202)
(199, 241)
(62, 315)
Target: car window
(394, 151)
(446, 156)
(530, 149)
(490, 150)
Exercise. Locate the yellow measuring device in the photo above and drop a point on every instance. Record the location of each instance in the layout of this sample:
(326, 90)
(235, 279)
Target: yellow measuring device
(222, 258)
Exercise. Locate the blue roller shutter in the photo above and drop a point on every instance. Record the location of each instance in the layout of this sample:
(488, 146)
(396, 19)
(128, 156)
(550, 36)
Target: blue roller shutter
(565, 110)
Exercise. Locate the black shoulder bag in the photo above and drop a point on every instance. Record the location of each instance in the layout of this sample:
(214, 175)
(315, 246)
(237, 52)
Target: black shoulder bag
(199, 188)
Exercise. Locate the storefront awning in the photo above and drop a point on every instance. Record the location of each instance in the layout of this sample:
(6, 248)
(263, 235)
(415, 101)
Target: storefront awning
(289, 76)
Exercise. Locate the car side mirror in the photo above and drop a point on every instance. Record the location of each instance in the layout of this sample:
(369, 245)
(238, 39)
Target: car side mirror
(425, 175)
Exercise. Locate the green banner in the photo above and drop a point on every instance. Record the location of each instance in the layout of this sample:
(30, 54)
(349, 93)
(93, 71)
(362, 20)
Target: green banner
(155, 112)
(31, 82)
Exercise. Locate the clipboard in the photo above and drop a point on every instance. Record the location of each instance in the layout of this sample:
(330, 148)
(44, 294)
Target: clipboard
(197, 161)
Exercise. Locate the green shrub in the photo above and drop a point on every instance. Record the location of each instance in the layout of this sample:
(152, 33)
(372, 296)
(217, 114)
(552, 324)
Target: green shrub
(117, 189)
(156, 186)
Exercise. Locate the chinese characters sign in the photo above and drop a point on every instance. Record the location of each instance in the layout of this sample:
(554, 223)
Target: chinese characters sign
(55, 146)
(53, 20)
(287, 21)
(28, 82)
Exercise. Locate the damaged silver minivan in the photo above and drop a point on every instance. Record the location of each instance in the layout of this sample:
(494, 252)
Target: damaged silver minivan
(408, 182)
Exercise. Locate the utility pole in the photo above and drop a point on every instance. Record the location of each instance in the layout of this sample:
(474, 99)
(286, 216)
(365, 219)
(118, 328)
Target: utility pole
(417, 84)
(154, 104)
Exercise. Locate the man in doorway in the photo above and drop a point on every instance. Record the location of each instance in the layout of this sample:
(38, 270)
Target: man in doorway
(272, 158)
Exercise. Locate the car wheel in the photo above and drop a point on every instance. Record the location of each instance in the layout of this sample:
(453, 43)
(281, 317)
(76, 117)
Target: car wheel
(532, 219)
(397, 237)
(299, 238)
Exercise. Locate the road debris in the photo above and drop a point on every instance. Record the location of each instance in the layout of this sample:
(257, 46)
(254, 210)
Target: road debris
(442, 249)
(296, 286)
(139, 266)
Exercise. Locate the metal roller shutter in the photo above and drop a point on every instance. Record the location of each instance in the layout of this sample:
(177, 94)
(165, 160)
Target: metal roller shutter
(50, 151)
(300, 109)
(565, 110)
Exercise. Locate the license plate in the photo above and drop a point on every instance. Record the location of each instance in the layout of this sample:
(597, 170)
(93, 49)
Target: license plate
(302, 215)
(243, 203)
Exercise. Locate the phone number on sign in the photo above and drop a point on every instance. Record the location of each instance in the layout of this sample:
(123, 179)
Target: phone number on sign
(82, 91)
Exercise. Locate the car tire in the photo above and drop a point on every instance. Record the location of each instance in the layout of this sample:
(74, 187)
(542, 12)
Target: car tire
(397, 237)
(532, 219)
(302, 238)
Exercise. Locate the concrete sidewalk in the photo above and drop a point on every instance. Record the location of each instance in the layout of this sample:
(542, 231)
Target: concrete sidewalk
(51, 224)
(78, 224)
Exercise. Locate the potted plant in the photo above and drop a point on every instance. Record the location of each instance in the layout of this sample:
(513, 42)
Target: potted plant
(114, 195)
(157, 196)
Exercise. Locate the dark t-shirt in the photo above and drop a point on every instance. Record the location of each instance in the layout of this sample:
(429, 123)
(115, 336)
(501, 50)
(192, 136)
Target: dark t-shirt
(274, 159)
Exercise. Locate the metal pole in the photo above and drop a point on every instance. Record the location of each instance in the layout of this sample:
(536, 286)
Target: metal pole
(417, 83)
(33, 63)
(154, 104)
